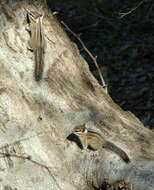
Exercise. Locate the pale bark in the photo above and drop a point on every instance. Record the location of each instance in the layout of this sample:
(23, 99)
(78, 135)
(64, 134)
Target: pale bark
(37, 117)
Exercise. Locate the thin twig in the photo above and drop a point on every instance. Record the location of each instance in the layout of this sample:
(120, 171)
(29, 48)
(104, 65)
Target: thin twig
(89, 53)
(90, 26)
(150, 10)
(20, 140)
(106, 19)
(129, 12)
(8, 155)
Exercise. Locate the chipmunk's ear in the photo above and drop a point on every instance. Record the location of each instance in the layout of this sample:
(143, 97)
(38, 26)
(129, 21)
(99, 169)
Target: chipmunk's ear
(31, 18)
(80, 129)
(34, 16)
(85, 130)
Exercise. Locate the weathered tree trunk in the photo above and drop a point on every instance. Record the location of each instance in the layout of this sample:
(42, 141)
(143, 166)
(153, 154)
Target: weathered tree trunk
(36, 117)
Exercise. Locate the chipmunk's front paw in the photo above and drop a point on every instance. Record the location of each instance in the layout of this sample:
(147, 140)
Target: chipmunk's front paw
(94, 153)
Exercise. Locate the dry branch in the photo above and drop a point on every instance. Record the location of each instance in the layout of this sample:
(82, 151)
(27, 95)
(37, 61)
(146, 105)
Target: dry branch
(89, 53)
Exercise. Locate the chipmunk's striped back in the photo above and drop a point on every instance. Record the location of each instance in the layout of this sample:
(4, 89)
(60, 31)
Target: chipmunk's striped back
(37, 42)
(95, 141)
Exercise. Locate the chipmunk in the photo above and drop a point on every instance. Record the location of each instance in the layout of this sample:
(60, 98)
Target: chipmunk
(95, 141)
(37, 42)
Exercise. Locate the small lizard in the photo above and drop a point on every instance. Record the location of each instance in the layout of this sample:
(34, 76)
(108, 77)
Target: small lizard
(95, 141)
(37, 42)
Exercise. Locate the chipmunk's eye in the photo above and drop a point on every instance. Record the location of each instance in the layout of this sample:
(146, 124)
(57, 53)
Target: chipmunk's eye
(76, 130)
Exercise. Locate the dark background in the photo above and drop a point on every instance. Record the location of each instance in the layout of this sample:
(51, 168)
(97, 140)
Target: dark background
(124, 48)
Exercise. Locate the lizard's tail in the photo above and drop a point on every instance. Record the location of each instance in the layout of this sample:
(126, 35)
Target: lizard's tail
(39, 63)
(118, 151)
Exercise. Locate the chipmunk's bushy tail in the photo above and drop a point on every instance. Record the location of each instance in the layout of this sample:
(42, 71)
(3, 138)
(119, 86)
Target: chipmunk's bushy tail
(39, 63)
(118, 151)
